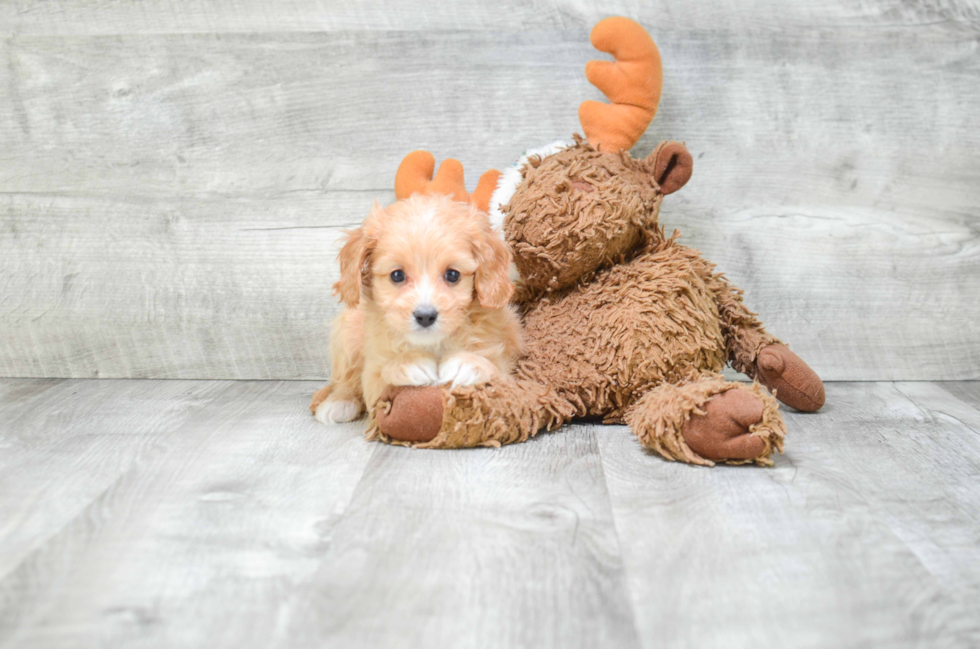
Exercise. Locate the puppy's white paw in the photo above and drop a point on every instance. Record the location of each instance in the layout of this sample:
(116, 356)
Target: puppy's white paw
(461, 372)
(337, 412)
(423, 372)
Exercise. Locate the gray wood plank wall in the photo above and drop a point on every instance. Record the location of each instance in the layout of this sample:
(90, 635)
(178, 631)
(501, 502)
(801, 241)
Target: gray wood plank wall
(174, 176)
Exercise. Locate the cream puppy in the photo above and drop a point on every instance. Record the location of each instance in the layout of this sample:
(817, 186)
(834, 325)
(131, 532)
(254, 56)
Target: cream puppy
(425, 282)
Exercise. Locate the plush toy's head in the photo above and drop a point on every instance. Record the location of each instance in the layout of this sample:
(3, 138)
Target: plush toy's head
(590, 204)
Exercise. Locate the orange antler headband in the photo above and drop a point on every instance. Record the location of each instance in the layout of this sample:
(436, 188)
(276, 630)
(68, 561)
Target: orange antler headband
(415, 175)
(632, 83)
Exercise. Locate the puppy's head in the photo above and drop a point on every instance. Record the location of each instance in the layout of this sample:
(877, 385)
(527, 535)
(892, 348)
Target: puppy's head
(423, 263)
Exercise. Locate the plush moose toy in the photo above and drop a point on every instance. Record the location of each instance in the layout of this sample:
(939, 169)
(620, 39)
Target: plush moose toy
(621, 322)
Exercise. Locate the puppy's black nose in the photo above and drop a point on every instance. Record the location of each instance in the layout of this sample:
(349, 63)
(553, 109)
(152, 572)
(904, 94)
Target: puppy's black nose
(426, 315)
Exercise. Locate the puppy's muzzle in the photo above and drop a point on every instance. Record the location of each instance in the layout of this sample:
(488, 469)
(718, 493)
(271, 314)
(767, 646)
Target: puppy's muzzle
(426, 316)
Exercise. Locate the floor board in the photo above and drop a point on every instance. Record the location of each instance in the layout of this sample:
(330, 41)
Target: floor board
(511, 547)
(200, 538)
(848, 541)
(209, 513)
(64, 447)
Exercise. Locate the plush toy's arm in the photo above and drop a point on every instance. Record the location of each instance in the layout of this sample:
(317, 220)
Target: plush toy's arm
(745, 336)
(503, 411)
(752, 350)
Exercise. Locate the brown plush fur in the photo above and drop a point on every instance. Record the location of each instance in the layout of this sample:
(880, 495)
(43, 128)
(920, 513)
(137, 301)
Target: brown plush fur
(660, 416)
(656, 316)
(656, 308)
(578, 210)
(502, 412)
(620, 321)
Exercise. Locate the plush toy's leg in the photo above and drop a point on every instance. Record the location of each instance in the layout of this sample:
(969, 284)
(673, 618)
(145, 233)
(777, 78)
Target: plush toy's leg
(501, 412)
(708, 419)
(750, 349)
(792, 380)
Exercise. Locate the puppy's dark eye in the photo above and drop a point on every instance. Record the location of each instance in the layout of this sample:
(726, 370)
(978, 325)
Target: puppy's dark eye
(452, 275)
(397, 276)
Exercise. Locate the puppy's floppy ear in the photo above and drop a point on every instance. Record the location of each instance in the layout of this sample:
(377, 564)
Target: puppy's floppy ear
(353, 258)
(492, 279)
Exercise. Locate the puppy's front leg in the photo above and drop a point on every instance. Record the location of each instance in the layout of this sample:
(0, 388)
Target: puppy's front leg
(341, 400)
(466, 368)
(417, 371)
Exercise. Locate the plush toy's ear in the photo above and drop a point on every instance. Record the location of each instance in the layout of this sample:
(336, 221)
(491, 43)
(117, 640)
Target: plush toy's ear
(672, 166)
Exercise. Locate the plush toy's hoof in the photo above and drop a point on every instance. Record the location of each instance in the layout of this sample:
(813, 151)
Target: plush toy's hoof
(412, 414)
(794, 383)
(723, 432)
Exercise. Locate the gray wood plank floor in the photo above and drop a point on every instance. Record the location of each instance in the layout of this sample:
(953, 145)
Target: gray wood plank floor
(213, 514)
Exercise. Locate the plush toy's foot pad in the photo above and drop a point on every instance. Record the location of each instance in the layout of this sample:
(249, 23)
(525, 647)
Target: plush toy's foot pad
(722, 433)
(410, 414)
(794, 383)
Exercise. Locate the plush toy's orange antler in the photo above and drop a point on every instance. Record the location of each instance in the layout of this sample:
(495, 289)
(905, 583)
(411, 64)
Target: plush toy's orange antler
(415, 175)
(632, 83)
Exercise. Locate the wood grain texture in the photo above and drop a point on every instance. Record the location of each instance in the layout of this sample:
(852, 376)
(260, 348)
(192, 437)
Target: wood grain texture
(837, 159)
(969, 393)
(220, 514)
(863, 534)
(509, 547)
(305, 535)
(84, 435)
(96, 17)
(16, 395)
(950, 551)
(239, 286)
(225, 511)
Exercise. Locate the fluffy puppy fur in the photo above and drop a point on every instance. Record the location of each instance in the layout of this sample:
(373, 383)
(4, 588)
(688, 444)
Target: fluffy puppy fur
(425, 282)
